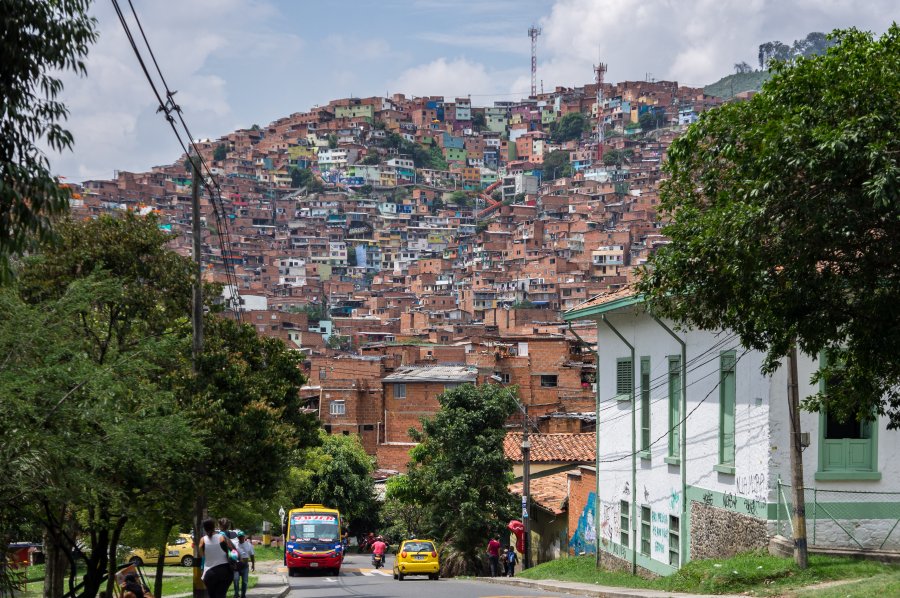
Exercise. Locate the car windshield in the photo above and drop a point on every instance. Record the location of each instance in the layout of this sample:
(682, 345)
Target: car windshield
(418, 547)
(312, 527)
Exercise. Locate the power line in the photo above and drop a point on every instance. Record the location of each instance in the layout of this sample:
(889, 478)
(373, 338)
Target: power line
(168, 107)
(677, 424)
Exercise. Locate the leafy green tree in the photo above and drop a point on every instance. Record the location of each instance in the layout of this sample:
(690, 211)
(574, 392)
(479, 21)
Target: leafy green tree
(371, 159)
(459, 471)
(338, 342)
(38, 41)
(403, 515)
(436, 160)
(129, 311)
(220, 153)
(784, 226)
(342, 479)
(653, 118)
(556, 165)
(304, 177)
(460, 198)
(788, 200)
(366, 190)
(332, 141)
(570, 127)
(479, 122)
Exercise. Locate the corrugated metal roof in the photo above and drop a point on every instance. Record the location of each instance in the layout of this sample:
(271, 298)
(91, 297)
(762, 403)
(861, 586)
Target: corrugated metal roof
(437, 373)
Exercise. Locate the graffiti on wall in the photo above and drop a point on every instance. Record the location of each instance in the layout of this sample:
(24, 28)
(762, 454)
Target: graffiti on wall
(609, 522)
(660, 530)
(584, 540)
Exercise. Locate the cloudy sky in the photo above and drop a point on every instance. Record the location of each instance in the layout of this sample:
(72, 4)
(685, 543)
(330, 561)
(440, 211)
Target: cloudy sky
(240, 62)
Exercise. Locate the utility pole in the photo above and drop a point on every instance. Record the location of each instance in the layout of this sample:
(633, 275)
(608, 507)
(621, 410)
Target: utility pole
(798, 516)
(526, 487)
(197, 350)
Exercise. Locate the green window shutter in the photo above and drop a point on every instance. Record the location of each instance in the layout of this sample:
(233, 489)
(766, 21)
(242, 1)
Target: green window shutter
(674, 406)
(844, 446)
(645, 403)
(624, 378)
(645, 531)
(727, 400)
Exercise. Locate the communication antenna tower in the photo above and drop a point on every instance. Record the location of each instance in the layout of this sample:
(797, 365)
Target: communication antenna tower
(600, 72)
(533, 33)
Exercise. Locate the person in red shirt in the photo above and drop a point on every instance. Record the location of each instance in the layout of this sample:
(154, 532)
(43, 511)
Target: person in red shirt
(378, 550)
(493, 550)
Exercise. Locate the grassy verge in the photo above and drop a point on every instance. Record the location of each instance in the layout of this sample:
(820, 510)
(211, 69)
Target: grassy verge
(879, 585)
(756, 574)
(185, 585)
(268, 553)
(171, 586)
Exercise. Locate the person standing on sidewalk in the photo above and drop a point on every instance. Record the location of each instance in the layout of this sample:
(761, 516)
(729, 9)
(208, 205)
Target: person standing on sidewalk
(217, 575)
(247, 557)
(493, 550)
(511, 559)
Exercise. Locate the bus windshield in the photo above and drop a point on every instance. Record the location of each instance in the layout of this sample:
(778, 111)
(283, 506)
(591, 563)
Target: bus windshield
(314, 527)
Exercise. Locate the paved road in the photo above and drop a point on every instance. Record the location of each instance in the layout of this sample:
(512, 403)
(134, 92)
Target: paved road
(358, 578)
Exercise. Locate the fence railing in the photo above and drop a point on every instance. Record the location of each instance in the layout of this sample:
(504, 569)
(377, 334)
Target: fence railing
(857, 519)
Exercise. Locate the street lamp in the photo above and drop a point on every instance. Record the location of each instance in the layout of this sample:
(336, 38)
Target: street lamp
(526, 477)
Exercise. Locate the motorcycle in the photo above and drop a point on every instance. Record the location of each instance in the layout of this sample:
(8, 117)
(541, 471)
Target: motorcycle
(378, 561)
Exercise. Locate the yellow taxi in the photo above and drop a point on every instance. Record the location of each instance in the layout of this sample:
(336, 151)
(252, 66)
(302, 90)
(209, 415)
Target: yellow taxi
(179, 552)
(417, 557)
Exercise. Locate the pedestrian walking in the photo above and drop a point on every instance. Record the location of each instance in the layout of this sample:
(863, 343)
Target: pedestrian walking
(214, 548)
(504, 566)
(247, 557)
(511, 559)
(493, 550)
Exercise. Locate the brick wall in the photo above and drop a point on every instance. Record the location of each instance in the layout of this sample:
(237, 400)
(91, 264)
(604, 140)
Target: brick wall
(393, 456)
(580, 486)
(405, 413)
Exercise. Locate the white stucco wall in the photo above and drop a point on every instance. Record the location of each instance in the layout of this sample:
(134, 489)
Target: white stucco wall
(761, 441)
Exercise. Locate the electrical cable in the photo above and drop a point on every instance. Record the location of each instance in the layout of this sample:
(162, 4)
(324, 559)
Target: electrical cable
(167, 108)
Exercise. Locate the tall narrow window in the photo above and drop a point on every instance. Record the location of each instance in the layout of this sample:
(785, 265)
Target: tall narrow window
(624, 379)
(674, 540)
(674, 407)
(645, 531)
(645, 405)
(848, 448)
(399, 391)
(727, 399)
(624, 522)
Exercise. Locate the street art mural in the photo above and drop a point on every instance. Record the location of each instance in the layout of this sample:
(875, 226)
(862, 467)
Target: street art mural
(584, 540)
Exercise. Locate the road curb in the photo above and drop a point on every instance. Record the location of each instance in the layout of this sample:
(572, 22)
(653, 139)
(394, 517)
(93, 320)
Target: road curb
(586, 589)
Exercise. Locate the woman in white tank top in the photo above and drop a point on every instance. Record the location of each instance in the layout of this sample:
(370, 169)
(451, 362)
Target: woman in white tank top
(217, 575)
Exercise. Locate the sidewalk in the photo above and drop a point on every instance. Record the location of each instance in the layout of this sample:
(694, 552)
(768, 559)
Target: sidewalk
(270, 582)
(589, 589)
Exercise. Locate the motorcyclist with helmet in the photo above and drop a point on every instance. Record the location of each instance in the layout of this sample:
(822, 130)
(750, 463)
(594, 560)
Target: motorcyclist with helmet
(379, 548)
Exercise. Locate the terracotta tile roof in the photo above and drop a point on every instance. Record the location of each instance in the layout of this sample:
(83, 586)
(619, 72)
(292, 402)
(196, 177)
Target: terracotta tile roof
(551, 492)
(607, 297)
(552, 448)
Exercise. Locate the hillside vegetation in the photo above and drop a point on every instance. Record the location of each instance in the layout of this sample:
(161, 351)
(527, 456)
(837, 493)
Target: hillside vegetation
(731, 85)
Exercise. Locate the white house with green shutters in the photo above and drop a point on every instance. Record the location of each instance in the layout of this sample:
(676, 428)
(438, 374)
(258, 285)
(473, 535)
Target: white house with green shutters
(693, 460)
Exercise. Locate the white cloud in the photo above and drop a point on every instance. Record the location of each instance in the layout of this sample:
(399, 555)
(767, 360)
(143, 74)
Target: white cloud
(451, 78)
(113, 112)
(693, 42)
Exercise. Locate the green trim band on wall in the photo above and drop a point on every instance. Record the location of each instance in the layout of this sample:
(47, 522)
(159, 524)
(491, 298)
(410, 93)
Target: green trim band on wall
(848, 475)
(650, 564)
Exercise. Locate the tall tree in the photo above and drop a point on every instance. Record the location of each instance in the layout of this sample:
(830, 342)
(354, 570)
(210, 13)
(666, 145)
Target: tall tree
(460, 472)
(38, 40)
(341, 477)
(569, 127)
(783, 220)
(556, 165)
